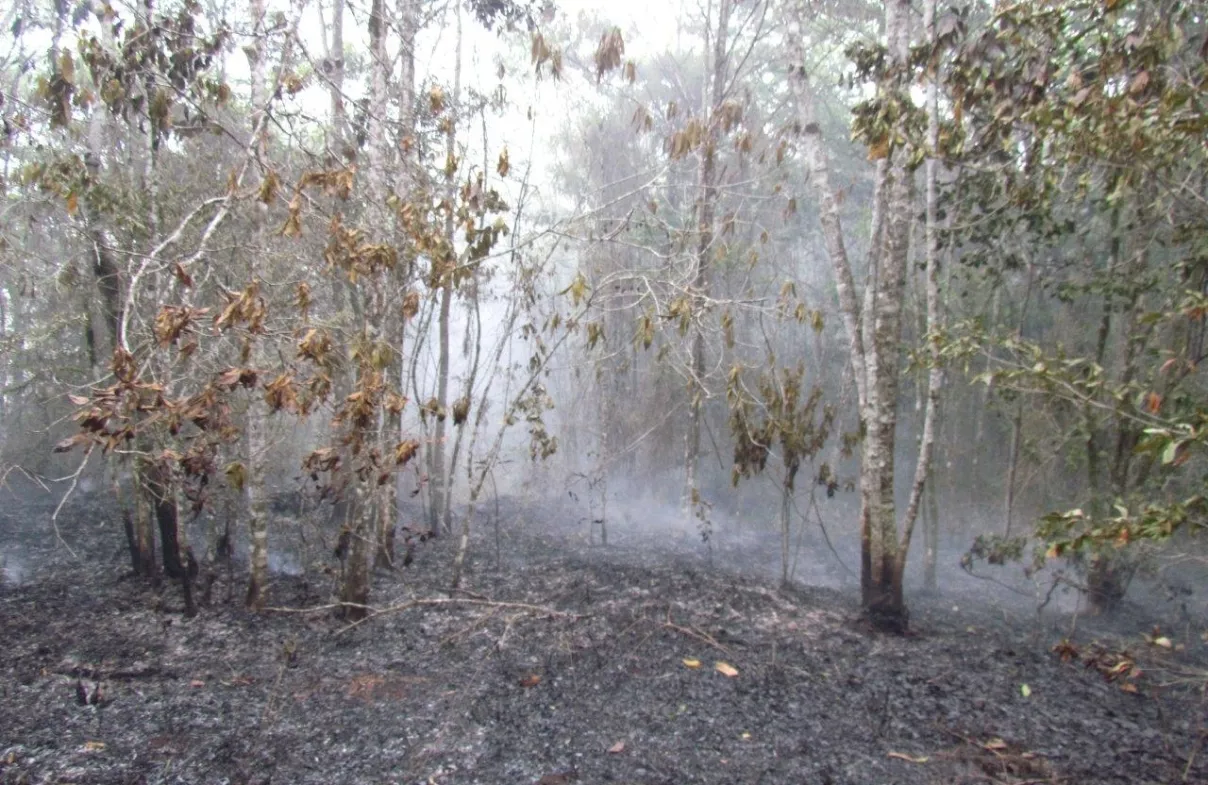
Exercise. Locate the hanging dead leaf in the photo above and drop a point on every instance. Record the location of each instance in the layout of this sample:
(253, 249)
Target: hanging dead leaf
(270, 186)
(461, 410)
(405, 451)
(436, 99)
(182, 276)
(725, 669)
(236, 475)
(410, 305)
(608, 53)
(878, 150)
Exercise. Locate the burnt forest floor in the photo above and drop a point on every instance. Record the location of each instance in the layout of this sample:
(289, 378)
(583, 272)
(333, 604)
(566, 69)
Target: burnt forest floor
(561, 662)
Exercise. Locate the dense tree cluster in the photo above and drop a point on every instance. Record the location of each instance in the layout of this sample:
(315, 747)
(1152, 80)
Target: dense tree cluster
(937, 257)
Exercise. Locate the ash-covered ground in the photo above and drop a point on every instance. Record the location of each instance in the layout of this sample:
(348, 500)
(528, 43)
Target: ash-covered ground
(649, 661)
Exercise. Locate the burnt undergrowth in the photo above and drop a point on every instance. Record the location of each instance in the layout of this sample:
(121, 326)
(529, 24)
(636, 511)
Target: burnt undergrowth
(560, 661)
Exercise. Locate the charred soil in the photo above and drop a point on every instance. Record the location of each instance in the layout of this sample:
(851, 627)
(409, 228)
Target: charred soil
(559, 662)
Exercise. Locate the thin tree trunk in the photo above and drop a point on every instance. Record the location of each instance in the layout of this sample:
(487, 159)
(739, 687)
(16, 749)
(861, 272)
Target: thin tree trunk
(184, 552)
(786, 520)
(440, 473)
(983, 400)
(394, 323)
(144, 531)
(354, 550)
(935, 373)
(338, 127)
(255, 424)
(818, 168)
(257, 504)
(712, 100)
(1013, 467)
(931, 535)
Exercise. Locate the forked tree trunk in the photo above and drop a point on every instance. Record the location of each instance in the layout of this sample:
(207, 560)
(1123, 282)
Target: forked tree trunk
(874, 334)
(883, 601)
(374, 508)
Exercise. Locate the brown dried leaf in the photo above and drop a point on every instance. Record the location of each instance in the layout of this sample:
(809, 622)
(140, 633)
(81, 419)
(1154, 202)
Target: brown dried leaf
(909, 758)
(182, 275)
(405, 451)
(68, 444)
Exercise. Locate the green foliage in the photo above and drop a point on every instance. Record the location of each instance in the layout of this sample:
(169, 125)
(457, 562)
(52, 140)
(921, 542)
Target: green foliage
(994, 549)
(1078, 130)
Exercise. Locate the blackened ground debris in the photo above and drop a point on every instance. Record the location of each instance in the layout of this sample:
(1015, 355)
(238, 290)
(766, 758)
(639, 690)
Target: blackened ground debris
(560, 662)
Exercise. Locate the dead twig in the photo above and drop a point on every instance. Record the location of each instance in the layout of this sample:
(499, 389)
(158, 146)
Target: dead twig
(992, 579)
(1191, 758)
(697, 634)
(23, 471)
(998, 759)
(466, 632)
(75, 480)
